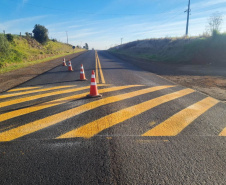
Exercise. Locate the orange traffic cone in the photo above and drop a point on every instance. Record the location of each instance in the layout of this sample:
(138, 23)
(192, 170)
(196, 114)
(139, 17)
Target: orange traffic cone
(93, 87)
(64, 62)
(82, 73)
(69, 66)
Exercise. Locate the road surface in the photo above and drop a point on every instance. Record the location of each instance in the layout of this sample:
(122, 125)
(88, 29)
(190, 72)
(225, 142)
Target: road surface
(143, 130)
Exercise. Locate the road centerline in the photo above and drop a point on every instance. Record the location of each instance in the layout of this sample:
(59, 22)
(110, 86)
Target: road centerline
(97, 73)
(101, 72)
(99, 69)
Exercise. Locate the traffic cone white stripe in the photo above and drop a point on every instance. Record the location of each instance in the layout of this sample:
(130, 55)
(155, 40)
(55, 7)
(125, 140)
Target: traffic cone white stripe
(93, 83)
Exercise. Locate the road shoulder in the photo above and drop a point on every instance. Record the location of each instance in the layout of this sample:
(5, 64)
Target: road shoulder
(17, 77)
(206, 79)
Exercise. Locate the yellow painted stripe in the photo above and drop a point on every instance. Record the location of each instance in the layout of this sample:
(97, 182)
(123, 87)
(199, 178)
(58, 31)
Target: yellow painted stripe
(34, 91)
(25, 99)
(223, 133)
(108, 121)
(97, 74)
(175, 124)
(24, 88)
(20, 112)
(101, 72)
(54, 119)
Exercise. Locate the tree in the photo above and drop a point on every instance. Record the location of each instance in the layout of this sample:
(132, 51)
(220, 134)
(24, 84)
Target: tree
(40, 33)
(86, 46)
(214, 23)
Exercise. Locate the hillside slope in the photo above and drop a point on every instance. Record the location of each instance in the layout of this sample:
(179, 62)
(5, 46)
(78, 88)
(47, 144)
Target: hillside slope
(191, 50)
(24, 51)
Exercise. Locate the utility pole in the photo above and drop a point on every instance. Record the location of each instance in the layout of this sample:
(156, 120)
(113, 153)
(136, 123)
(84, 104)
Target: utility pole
(121, 41)
(67, 37)
(188, 14)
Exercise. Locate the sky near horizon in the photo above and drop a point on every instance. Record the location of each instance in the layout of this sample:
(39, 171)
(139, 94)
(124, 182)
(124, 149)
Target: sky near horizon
(102, 23)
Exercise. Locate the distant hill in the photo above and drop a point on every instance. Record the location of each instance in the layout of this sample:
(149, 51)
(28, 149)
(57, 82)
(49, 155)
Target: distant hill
(186, 50)
(18, 51)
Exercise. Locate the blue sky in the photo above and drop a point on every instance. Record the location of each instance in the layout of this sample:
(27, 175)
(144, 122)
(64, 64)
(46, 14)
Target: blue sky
(102, 23)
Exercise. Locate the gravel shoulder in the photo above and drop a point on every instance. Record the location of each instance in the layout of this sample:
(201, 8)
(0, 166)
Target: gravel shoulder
(208, 79)
(14, 78)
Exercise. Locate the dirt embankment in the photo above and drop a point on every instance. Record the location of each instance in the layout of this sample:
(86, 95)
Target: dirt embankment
(210, 85)
(14, 78)
(208, 79)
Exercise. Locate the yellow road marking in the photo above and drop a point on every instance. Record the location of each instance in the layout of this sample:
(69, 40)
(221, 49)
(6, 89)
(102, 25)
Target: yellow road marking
(97, 74)
(54, 119)
(41, 106)
(98, 66)
(108, 121)
(24, 88)
(25, 99)
(34, 91)
(223, 132)
(175, 124)
(101, 72)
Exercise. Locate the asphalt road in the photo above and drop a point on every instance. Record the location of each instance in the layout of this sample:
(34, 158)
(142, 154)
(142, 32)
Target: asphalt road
(143, 130)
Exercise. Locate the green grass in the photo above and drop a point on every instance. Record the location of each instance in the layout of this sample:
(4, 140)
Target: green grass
(15, 66)
(193, 50)
(25, 51)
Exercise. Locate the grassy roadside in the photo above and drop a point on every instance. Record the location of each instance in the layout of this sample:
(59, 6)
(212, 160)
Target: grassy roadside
(15, 66)
(183, 50)
(21, 51)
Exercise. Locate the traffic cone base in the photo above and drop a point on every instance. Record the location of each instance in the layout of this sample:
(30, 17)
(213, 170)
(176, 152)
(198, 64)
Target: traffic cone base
(96, 96)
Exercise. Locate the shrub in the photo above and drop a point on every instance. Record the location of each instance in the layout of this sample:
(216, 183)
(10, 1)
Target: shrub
(40, 34)
(9, 37)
